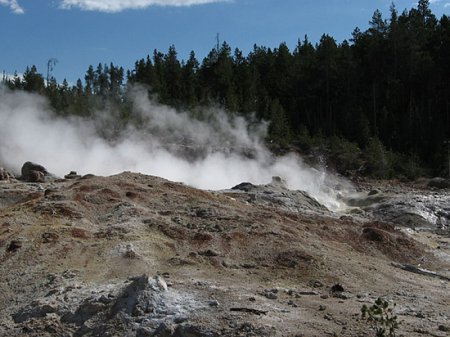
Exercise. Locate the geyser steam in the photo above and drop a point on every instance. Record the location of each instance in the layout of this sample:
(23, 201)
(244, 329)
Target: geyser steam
(157, 145)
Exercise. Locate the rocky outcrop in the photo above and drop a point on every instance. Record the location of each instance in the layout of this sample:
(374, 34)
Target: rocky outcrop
(278, 195)
(144, 304)
(33, 173)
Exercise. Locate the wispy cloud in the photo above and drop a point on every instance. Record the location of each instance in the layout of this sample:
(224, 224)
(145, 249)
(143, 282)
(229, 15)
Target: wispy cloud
(112, 6)
(13, 5)
(440, 2)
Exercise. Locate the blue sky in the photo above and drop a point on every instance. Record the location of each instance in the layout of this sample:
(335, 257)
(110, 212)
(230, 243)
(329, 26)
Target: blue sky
(82, 32)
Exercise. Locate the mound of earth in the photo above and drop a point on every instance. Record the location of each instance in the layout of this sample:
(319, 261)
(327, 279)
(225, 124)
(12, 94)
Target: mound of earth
(137, 255)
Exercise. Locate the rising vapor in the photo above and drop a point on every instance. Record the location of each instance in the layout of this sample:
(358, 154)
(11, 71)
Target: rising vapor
(217, 154)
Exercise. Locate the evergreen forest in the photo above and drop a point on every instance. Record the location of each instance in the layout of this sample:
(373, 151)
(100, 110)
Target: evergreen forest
(377, 105)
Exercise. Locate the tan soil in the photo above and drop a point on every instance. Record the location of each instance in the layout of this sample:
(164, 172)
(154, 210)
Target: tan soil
(96, 232)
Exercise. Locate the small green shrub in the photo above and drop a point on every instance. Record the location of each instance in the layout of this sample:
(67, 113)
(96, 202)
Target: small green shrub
(408, 166)
(382, 318)
(345, 155)
(377, 160)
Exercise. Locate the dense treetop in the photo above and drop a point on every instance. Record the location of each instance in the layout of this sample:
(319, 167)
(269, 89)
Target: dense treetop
(379, 103)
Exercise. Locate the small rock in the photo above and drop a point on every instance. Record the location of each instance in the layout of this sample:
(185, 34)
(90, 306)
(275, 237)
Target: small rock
(69, 274)
(315, 284)
(72, 175)
(269, 293)
(49, 237)
(160, 283)
(337, 288)
(213, 303)
(209, 252)
(178, 220)
(129, 252)
(328, 317)
(291, 303)
(14, 246)
(248, 265)
(105, 300)
(443, 328)
(271, 296)
(374, 192)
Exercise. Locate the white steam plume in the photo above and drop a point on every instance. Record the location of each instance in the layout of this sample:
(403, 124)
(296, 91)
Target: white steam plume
(214, 155)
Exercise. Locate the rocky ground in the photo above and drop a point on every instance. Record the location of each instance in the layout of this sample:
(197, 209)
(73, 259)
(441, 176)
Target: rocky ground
(136, 255)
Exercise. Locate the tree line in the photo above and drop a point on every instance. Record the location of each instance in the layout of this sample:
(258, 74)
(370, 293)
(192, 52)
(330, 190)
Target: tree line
(377, 104)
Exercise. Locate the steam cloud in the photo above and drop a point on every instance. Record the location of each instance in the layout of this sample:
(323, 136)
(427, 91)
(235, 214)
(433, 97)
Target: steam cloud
(217, 154)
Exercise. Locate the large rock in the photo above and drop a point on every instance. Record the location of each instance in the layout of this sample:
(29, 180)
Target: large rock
(33, 173)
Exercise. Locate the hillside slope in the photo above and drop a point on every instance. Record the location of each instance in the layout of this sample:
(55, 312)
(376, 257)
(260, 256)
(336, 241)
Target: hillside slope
(136, 255)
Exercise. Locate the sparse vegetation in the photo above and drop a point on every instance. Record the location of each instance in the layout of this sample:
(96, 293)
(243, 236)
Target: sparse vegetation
(381, 317)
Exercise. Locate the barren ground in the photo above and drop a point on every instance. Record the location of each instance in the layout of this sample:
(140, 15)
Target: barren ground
(73, 254)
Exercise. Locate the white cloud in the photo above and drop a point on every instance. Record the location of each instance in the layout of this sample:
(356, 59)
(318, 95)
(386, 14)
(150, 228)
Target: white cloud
(13, 5)
(445, 4)
(112, 6)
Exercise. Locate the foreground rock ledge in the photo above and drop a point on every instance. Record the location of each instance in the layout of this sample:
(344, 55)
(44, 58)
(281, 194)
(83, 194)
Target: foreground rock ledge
(135, 255)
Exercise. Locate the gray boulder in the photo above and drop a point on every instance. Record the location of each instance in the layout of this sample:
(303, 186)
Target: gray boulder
(33, 173)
